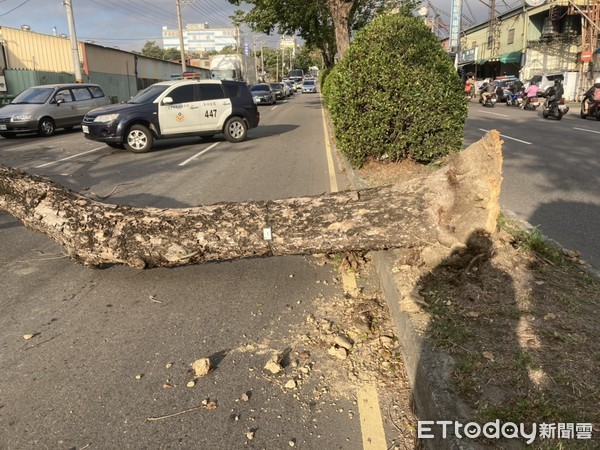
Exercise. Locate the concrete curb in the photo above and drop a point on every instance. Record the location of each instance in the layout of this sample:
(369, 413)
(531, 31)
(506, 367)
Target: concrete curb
(429, 371)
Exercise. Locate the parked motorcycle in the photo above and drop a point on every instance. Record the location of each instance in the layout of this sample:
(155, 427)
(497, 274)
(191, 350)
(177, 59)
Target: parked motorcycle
(593, 110)
(554, 108)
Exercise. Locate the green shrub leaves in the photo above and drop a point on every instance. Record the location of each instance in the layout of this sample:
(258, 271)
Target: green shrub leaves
(396, 94)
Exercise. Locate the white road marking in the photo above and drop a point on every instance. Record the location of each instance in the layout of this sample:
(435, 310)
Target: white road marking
(585, 129)
(274, 107)
(495, 114)
(508, 137)
(71, 157)
(198, 154)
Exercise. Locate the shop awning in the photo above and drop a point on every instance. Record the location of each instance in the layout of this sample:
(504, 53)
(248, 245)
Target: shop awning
(512, 57)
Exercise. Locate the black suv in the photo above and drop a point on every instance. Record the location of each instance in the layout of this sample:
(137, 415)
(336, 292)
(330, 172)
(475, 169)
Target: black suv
(175, 108)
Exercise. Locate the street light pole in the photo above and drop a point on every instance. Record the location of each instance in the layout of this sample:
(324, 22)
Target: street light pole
(181, 44)
(74, 45)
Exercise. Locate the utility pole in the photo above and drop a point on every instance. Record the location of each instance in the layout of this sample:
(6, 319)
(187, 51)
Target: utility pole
(74, 45)
(262, 59)
(181, 44)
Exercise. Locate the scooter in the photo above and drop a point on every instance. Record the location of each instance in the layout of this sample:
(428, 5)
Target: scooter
(593, 109)
(532, 104)
(554, 108)
(515, 99)
(490, 101)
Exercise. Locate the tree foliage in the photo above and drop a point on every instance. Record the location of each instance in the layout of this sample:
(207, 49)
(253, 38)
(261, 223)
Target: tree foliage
(152, 50)
(312, 21)
(396, 93)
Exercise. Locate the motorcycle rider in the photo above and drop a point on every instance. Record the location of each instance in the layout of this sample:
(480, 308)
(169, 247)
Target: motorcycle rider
(530, 92)
(555, 93)
(488, 91)
(591, 95)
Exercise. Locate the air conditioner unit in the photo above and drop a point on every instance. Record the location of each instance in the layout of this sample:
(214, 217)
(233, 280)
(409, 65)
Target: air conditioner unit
(2, 84)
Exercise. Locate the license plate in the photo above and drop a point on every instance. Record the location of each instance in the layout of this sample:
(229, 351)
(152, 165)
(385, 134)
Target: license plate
(2, 127)
(85, 129)
(562, 107)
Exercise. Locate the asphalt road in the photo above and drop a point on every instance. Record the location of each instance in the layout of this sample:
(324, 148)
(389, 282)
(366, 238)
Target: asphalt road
(73, 385)
(551, 172)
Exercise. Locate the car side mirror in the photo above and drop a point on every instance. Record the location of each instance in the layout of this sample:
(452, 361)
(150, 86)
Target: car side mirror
(167, 101)
(60, 101)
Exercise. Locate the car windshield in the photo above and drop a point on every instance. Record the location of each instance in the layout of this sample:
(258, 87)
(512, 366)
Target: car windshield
(277, 85)
(36, 96)
(259, 87)
(149, 94)
(309, 83)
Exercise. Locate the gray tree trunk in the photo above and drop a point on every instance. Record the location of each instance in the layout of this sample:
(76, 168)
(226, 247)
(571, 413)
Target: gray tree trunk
(445, 207)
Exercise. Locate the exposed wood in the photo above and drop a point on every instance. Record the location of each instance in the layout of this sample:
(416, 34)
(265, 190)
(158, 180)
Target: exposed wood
(445, 207)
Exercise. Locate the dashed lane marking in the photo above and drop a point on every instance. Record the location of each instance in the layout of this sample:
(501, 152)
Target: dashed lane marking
(494, 114)
(70, 157)
(508, 137)
(585, 129)
(191, 158)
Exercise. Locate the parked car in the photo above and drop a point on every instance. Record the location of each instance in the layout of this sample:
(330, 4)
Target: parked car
(43, 109)
(309, 86)
(279, 90)
(262, 93)
(175, 108)
(546, 81)
(291, 87)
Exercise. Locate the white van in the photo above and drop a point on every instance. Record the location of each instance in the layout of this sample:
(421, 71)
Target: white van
(43, 109)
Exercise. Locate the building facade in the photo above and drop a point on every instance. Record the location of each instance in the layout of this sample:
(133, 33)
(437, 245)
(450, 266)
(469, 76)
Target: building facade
(198, 37)
(29, 59)
(558, 36)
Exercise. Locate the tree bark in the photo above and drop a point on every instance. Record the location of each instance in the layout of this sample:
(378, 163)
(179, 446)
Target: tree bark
(340, 14)
(444, 207)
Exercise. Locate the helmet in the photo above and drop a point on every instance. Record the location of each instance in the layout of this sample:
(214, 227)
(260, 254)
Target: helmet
(597, 80)
(557, 81)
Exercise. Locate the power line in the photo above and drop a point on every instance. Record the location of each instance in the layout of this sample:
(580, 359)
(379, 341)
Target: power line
(16, 7)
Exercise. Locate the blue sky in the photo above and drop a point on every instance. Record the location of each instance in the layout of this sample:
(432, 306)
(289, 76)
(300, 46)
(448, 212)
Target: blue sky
(128, 24)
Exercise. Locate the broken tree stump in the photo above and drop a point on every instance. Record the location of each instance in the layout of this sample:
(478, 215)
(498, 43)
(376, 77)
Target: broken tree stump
(444, 207)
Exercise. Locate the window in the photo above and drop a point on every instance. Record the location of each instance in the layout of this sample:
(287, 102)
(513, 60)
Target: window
(233, 90)
(490, 41)
(211, 91)
(96, 92)
(64, 94)
(511, 36)
(182, 94)
(81, 94)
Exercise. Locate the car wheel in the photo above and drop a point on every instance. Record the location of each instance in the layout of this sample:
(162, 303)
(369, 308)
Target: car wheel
(46, 127)
(235, 130)
(139, 139)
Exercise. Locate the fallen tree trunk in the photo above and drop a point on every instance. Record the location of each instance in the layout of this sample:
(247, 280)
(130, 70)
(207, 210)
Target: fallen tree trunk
(445, 207)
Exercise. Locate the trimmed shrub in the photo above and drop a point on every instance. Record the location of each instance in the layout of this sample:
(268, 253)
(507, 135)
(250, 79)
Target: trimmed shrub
(396, 94)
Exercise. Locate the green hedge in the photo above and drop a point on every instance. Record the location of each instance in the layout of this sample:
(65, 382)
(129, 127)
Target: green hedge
(396, 94)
